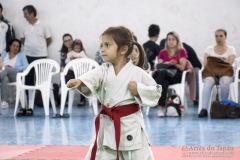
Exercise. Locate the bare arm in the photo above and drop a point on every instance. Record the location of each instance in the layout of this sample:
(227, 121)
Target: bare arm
(231, 59)
(205, 59)
(49, 41)
(160, 61)
(77, 84)
(182, 64)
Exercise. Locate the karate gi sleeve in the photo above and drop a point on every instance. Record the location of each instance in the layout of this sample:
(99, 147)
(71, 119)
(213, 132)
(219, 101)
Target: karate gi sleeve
(148, 95)
(92, 81)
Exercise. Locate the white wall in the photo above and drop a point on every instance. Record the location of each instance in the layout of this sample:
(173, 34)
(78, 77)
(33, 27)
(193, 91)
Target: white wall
(195, 21)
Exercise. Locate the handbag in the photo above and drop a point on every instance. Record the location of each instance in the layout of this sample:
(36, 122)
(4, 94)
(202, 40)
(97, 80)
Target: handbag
(224, 109)
(171, 69)
(217, 68)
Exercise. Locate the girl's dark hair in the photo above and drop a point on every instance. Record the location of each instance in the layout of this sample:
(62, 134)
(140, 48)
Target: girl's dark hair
(222, 30)
(11, 42)
(64, 49)
(78, 42)
(141, 55)
(31, 9)
(123, 37)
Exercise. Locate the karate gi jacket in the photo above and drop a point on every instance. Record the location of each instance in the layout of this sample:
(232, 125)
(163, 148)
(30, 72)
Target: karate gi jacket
(112, 90)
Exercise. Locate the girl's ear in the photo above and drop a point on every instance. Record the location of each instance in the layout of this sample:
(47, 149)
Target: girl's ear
(124, 49)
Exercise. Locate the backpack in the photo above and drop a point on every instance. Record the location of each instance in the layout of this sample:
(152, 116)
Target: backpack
(225, 109)
(174, 107)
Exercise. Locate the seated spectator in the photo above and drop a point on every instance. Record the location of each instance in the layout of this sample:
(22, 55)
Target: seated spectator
(137, 56)
(13, 62)
(193, 58)
(176, 56)
(226, 53)
(77, 51)
(151, 48)
(66, 47)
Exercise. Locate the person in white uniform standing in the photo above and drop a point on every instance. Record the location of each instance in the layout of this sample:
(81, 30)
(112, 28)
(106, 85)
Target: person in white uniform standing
(120, 87)
(36, 38)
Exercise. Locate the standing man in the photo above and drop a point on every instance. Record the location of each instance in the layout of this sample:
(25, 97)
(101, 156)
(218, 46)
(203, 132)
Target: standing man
(6, 32)
(151, 48)
(36, 38)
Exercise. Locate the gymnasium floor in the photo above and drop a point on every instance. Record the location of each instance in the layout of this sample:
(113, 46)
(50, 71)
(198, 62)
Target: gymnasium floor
(189, 137)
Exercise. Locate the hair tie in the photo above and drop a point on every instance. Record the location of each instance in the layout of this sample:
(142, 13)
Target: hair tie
(78, 41)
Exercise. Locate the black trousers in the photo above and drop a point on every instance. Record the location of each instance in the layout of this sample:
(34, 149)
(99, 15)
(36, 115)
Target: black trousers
(161, 77)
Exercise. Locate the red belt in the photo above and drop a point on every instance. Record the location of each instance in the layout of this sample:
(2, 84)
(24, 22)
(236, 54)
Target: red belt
(115, 113)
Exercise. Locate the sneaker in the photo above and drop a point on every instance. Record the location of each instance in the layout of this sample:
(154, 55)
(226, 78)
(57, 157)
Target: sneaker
(29, 112)
(160, 113)
(4, 104)
(22, 112)
(203, 113)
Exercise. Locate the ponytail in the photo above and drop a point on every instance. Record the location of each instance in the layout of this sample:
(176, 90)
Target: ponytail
(141, 55)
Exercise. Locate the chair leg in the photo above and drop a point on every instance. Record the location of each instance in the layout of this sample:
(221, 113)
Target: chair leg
(18, 91)
(23, 99)
(53, 102)
(63, 99)
(90, 101)
(147, 110)
(45, 98)
(31, 98)
(70, 100)
(95, 105)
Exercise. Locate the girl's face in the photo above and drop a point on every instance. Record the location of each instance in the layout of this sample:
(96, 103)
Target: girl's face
(135, 54)
(108, 49)
(77, 48)
(14, 48)
(171, 41)
(220, 37)
(67, 40)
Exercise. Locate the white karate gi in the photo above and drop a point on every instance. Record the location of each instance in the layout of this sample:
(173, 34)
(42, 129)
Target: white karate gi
(112, 90)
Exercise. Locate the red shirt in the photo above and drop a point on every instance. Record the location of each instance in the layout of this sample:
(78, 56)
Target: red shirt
(163, 55)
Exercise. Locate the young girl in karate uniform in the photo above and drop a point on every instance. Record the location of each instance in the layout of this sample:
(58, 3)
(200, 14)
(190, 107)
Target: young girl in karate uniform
(121, 87)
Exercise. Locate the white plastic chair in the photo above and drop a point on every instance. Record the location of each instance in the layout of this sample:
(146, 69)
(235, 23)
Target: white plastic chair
(179, 89)
(233, 89)
(44, 70)
(79, 67)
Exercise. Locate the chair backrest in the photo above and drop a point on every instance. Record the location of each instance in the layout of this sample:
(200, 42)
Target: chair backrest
(80, 66)
(44, 69)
